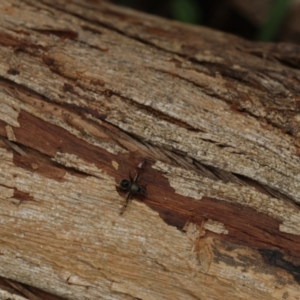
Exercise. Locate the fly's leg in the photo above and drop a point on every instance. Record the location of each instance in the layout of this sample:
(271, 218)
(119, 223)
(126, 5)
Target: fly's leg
(139, 170)
(128, 198)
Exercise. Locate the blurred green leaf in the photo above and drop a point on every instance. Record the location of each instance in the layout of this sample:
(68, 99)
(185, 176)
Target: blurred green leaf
(187, 11)
(275, 17)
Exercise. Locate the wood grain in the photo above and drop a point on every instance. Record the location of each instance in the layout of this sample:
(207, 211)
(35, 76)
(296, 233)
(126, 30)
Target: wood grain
(89, 90)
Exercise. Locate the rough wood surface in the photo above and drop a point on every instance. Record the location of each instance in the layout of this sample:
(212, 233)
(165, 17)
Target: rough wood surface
(86, 92)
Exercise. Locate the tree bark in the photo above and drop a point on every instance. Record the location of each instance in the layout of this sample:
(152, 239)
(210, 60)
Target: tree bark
(88, 91)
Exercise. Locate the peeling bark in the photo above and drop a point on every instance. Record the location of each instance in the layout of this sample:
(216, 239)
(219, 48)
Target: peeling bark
(87, 92)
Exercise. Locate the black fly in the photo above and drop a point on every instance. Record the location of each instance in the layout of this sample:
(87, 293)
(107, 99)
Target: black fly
(131, 186)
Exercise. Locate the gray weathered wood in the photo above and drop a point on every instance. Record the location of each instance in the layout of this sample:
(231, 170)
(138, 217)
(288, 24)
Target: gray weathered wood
(88, 91)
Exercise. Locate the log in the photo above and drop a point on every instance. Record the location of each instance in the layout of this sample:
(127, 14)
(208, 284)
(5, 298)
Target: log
(88, 92)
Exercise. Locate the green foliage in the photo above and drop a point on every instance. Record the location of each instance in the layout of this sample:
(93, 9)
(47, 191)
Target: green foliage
(186, 11)
(190, 11)
(274, 19)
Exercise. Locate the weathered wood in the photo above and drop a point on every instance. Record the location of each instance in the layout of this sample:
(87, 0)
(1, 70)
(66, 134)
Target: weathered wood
(88, 91)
